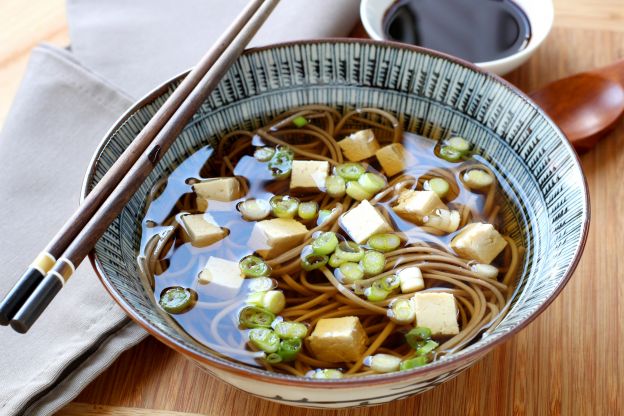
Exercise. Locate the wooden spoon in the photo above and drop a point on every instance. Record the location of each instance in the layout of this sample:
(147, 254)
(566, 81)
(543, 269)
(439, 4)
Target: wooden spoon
(585, 106)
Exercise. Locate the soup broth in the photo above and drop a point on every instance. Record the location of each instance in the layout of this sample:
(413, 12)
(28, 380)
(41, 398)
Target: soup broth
(373, 296)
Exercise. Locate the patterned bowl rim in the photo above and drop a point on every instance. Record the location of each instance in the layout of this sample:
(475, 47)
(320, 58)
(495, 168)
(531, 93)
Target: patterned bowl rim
(277, 378)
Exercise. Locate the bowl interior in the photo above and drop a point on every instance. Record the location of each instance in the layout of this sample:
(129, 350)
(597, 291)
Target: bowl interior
(433, 96)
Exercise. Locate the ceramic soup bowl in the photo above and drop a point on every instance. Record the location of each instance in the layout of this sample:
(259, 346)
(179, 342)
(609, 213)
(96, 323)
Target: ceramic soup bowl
(434, 96)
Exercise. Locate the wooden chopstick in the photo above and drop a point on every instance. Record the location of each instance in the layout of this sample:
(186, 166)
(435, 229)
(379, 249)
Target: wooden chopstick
(57, 263)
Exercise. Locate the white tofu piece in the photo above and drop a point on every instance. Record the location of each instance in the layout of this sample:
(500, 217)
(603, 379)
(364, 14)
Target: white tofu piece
(411, 279)
(359, 145)
(414, 205)
(308, 175)
(223, 277)
(393, 158)
(270, 238)
(363, 221)
(486, 271)
(202, 229)
(478, 241)
(218, 189)
(338, 339)
(443, 220)
(436, 311)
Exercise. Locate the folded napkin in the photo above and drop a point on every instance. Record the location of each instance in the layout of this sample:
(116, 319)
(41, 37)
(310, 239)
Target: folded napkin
(66, 103)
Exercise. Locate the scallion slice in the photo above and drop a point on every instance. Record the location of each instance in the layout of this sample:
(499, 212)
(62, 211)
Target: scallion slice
(391, 282)
(351, 272)
(307, 210)
(350, 251)
(289, 330)
(177, 299)
(426, 347)
(413, 363)
(384, 242)
(280, 164)
(312, 261)
(325, 243)
(402, 311)
(255, 317)
(264, 154)
(284, 206)
(335, 261)
(264, 339)
(350, 171)
(254, 266)
(459, 143)
(373, 262)
(437, 185)
(450, 154)
(254, 209)
(357, 191)
(335, 186)
(289, 348)
(376, 292)
(372, 182)
(300, 121)
(417, 335)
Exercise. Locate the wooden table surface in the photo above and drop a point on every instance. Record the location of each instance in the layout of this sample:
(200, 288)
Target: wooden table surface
(568, 361)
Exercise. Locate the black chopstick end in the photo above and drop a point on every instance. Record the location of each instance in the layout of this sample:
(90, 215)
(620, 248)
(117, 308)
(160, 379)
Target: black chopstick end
(36, 303)
(14, 300)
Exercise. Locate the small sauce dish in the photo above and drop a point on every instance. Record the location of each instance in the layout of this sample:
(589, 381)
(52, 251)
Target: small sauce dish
(539, 13)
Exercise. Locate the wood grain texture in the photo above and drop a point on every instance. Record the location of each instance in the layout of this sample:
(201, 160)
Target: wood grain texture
(569, 361)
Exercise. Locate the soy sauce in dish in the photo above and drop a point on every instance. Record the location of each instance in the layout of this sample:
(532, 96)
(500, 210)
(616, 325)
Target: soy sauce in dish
(475, 30)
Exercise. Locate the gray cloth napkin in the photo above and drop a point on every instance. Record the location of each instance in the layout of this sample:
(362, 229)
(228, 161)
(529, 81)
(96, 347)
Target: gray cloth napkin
(65, 105)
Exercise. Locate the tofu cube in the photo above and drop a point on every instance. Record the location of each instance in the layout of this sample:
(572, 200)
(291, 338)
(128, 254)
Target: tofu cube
(270, 238)
(338, 340)
(393, 158)
(218, 189)
(411, 279)
(436, 311)
(363, 221)
(359, 145)
(201, 229)
(478, 241)
(223, 277)
(308, 175)
(414, 205)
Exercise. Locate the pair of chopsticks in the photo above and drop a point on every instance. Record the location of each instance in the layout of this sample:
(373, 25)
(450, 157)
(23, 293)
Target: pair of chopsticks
(49, 272)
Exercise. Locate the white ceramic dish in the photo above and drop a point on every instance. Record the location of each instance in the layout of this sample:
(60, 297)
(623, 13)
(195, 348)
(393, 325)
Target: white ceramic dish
(539, 12)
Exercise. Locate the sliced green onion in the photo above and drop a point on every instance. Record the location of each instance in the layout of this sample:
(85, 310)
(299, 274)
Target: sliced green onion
(255, 317)
(372, 182)
(273, 358)
(329, 373)
(325, 243)
(426, 347)
(177, 299)
(413, 363)
(373, 262)
(322, 216)
(264, 154)
(335, 261)
(254, 266)
(402, 311)
(449, 154)
(350, 171)
(254, 209)
(376, 292)
(284, 206)
(273, 301)
(484, 270)
(391, 282)
(310, 260)
(289, 348)
(289, 330)
(307, 210)
(416, 335)
(351, 272)
(300, 121)
(280, 164)
(459, 143)
(437, 185)
(383, 363)
(261, 284)
(384, 242)
(264, 339)
(478, 179)
(335, 186)
(350, 251)
(357, 191)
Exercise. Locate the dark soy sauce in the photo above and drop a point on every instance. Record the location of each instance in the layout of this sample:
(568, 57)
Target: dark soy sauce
(475, 30)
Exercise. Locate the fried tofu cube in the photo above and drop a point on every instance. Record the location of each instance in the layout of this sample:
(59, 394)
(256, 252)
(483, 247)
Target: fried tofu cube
(364, 221)
(393, 158)
(224, 277)
(218, 189)
(308, 175)
(359, 145)
(202, 229)
(411, 279)
(270, 238)
(436, 311)
(478, 241)
(338, 340)
(414, 205)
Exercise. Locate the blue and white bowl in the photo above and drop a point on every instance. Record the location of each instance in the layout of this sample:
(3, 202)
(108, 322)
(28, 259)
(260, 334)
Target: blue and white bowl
(433, 95)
